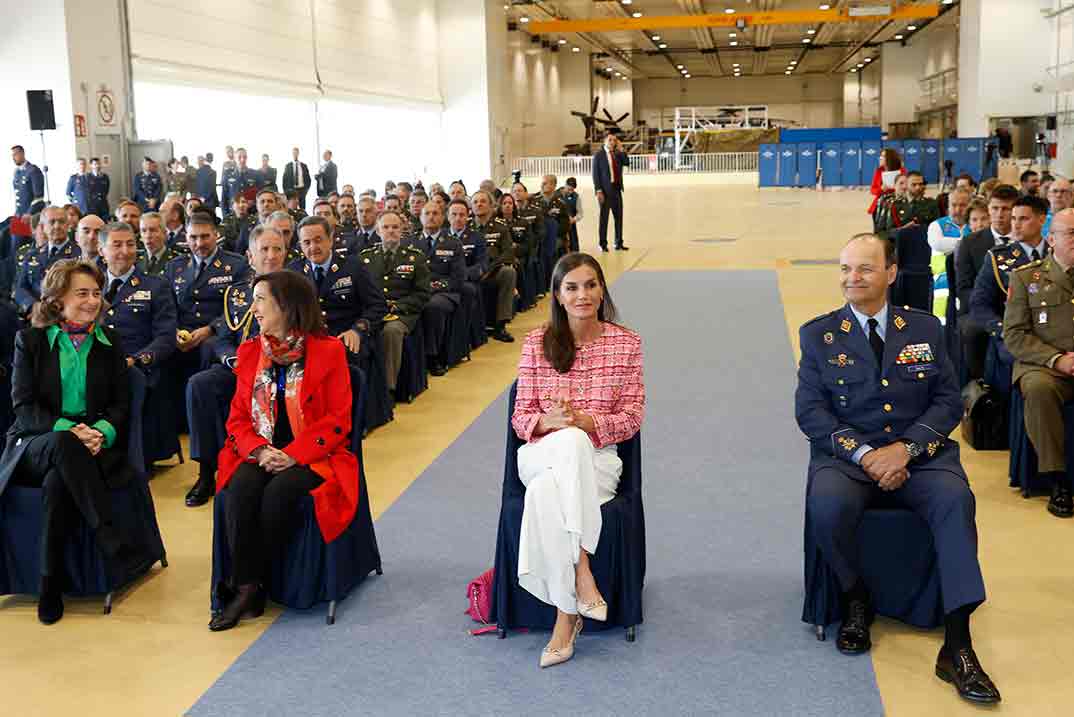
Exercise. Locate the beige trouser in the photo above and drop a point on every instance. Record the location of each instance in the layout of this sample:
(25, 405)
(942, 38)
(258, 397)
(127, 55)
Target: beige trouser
(393, 334)
(504, 280)
(1044, 394)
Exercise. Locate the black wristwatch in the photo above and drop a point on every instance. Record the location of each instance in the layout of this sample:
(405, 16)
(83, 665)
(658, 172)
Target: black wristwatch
(914, 449)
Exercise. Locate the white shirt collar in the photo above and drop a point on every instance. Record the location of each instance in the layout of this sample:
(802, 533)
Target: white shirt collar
(881, 320)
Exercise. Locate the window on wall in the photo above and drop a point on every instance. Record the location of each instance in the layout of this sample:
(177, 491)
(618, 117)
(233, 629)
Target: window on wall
(369, 143)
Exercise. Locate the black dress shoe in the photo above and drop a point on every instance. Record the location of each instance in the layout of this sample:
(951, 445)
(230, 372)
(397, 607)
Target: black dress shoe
(622, 247)
(854, 638)
(249, 601)
(437, 369)
(502, 335)
(50, 602)
(200, 494)
(1062, 504)
(604, 248)
(962, 669)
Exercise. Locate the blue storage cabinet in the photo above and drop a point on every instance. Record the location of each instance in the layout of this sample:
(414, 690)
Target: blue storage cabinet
(930, 164)
(912, 155)
(807, 164)
(952, 152)
(768, 165)
(896, 144)
(788, 164)
(972, 155)
(851, 159)
(831, 164)
(870, 160)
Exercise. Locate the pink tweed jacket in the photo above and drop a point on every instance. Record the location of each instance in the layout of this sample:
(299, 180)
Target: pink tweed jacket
(604, 382)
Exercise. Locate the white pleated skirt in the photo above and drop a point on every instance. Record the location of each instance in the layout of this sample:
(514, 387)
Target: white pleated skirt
(567, 479)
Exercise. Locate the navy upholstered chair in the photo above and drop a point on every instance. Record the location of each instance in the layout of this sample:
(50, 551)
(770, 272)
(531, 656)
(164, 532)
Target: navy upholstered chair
(1023, 459)
(133, 514)
(458, 343)
(311, 571)
(413, 371)
(913, 285)
(618, 565)
(898, 565)
(379, 402)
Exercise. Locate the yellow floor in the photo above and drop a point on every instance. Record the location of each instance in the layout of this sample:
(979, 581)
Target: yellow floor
(154, 655)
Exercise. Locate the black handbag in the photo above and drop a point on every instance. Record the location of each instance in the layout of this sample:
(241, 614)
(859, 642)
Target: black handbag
(984, 417)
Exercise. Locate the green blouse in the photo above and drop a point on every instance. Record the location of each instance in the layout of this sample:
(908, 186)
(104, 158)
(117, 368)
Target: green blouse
(73, 379)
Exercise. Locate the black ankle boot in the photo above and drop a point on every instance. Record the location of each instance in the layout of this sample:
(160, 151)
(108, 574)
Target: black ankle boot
(1061, 504)
(249, 601)
(50, 602)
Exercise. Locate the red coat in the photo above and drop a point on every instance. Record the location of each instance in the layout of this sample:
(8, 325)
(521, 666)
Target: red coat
(877, 187)
(326, 415)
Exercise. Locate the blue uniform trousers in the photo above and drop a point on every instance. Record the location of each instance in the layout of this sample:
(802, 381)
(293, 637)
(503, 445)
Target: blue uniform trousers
(943, 499)
(208, 401)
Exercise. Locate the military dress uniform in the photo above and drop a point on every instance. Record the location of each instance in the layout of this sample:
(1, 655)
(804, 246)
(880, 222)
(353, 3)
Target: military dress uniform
(205, 187)
(447, 273)
(233, 228)
(1038, 328)
(848, 401)
(209, 392)
(98, 186)
(148, 185)
(349, 299)
(154, 266)
(78, 192)
(32, 271)
(199, 300)
(29, 185)
(402, 277)
(571, 200)
(179, 183)
(988, 301)
(556, 209)
(363, 239)
(501, 278)
(238, 182)
(475, 253)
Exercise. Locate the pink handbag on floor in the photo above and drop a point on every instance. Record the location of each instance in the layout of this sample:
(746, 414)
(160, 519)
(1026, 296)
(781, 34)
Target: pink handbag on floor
(479, 595)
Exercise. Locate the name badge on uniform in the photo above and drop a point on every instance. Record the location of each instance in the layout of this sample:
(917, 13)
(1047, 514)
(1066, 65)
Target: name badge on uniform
(219, 280)
(142, 295)
(405, 269)
(342, 283)
(445, 252)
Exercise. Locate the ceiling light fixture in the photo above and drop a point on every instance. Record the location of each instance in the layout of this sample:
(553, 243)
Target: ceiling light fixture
(729, 11)
(911, 28)
(732, 35)
(627, 2)
(861, 64)
(656, 38)
(523, 19)
(853, 69)
(663, 46)
(825, 6)
(679, 67)
(734, 43)
(811, 32)
(562, 41)
(868, 60)
(635, 14)
(899, 37)
(576, 49)
(794, 62)
(807, 40)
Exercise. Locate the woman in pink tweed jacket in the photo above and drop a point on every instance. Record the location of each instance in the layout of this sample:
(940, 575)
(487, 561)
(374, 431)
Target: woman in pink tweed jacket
(580, 392)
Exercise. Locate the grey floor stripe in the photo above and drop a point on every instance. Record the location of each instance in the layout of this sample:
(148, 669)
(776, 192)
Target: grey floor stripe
(723, 484)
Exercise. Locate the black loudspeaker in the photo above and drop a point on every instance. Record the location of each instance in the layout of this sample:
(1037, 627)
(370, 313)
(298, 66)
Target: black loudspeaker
(1051, 122)
(39, 103)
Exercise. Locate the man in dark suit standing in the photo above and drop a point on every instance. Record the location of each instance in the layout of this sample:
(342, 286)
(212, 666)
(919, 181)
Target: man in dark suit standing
(327, 177)
(970, 256)
(296, 178)
(608, 165)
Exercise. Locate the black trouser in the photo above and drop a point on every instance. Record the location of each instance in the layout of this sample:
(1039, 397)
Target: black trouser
(262, 513)
(974, 346)
(71, 484)
(613, 203)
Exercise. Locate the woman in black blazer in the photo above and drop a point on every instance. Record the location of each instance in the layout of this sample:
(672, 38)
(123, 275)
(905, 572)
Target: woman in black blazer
(71, 402)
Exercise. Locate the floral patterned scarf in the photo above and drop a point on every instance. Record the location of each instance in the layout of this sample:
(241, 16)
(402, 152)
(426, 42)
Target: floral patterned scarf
(76, 332)
(289, 352)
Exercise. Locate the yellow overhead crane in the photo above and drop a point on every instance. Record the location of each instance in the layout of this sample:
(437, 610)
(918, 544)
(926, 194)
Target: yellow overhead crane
(870, 11)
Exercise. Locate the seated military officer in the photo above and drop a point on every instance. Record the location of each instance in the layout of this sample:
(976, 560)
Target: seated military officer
(130, 214)
(348, 218)
(553, 207)
(87, 236)
(447, 272)
(989, 297)
(326, 210)
(352, 306)
(155, 253)
(877, 398)
(475, 252)
(416, 203)
(365, 233)
(141, 308)
(209, 392)
(1036, 329)
(284, 223)
(199, 281)
(501, 277)
(38, 260)
(234, 222)
(402, 277)
(174, 215)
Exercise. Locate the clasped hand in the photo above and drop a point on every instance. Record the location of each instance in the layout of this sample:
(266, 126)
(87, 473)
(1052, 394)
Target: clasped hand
(887, 465)
(563, 415)
(91, 438)
(273, 460)
(1065, 364)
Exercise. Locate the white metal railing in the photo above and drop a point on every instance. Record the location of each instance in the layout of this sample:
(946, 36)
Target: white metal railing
(712, 163)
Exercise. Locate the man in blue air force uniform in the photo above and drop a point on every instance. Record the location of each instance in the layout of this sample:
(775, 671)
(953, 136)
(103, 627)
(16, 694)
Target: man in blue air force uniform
(38, 260)
(28, 182)
(877, 398)
(989, 297)
(209, 392)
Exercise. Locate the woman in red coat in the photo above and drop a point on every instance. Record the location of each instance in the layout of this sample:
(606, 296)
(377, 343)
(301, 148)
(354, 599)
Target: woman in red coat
(288, 433)
(889, 162)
